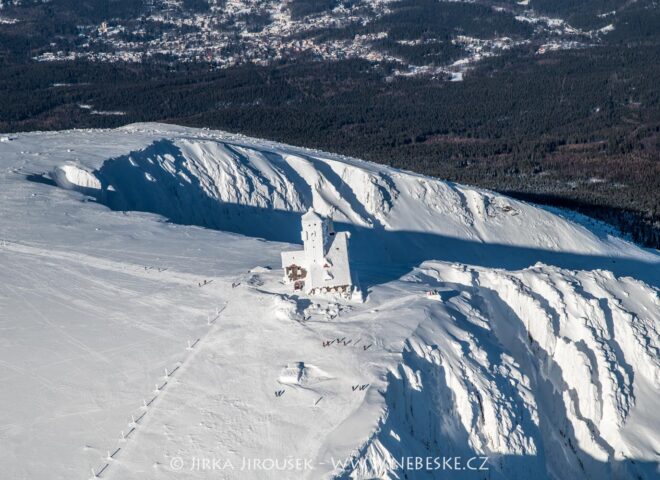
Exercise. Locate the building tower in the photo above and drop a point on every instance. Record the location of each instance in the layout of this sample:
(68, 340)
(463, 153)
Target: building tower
(315, 234)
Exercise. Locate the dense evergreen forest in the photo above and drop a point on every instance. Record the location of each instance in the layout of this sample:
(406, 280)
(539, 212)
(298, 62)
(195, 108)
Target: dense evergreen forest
(575, 128)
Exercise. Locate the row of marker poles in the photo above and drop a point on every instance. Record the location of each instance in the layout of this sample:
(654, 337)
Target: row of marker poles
(145, 404)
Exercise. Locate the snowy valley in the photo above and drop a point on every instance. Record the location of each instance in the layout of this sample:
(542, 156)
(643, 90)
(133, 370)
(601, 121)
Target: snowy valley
(145, 325)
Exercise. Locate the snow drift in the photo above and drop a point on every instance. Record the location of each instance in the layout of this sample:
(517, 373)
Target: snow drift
(72, 177)
(541, 355)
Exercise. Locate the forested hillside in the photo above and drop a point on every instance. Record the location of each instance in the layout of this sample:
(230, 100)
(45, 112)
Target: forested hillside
(578, 128)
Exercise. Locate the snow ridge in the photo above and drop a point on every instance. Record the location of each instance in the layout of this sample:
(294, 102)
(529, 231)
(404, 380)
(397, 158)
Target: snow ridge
(209, 181)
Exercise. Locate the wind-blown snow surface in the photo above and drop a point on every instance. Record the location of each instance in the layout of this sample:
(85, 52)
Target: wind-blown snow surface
(132, 269)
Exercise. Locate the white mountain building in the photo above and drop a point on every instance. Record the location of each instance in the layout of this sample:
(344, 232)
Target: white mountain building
(323, 265)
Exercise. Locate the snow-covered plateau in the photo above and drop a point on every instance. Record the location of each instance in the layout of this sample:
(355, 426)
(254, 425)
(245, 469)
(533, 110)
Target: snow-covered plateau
(146, 333)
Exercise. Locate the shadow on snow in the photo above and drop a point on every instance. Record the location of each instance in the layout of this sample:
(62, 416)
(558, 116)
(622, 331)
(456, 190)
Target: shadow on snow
(378, 255)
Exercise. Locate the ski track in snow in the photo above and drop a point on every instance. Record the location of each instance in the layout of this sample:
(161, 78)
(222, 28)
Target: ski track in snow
(542, 353)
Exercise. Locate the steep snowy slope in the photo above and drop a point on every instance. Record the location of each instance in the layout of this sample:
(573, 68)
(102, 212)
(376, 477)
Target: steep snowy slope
(539, 359)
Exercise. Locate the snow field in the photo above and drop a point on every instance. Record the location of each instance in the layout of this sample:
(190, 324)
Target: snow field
(118, 247)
